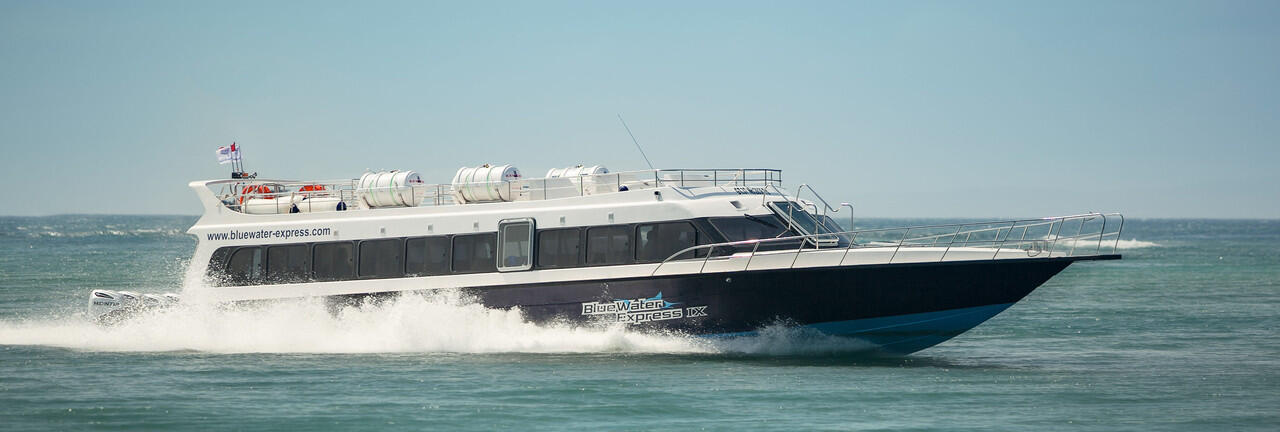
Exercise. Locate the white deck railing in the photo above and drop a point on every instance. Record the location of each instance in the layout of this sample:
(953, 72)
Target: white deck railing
(1080, 235)
(283, 195)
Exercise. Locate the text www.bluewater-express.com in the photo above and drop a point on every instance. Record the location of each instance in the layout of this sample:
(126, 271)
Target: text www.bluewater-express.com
(269, 234)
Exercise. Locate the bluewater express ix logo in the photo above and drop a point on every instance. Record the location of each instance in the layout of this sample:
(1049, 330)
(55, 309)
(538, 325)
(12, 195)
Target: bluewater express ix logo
(640, 310)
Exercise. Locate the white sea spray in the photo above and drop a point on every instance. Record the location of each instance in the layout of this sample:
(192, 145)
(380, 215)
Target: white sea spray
(412, 323)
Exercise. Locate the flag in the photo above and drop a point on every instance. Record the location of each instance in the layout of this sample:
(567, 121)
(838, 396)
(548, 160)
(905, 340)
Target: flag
(228, 155)
(224, 155)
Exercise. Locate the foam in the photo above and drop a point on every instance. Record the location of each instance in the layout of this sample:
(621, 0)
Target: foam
(410, 323)
(440, 323)
(1135, 244)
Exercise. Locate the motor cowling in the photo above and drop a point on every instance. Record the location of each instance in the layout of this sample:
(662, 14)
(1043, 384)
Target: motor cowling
(109, 307)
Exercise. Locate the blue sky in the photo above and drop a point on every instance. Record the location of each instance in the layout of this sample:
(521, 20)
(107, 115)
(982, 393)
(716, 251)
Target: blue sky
(924, 109)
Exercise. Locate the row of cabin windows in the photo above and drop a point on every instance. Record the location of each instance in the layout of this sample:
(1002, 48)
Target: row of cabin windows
(462, 253)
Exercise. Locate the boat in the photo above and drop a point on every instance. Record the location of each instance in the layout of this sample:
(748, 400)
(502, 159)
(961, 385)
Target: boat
(706, 252)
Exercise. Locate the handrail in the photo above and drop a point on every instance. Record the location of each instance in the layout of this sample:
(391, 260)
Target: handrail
(1048, 243)
(804, 186)
(827, 206)
(518, 190)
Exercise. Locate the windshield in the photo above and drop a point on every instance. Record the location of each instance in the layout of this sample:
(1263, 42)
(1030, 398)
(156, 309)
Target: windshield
(808, 223)
(830, 225)
(802, 219)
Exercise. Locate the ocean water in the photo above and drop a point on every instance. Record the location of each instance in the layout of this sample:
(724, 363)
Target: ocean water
(1179, 335)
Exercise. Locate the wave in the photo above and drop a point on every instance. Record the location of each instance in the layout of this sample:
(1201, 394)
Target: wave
(132, 232)
(783, 339)
(1135, 244)
(408, 324)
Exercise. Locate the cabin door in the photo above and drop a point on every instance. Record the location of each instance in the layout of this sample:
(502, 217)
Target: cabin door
(515, 244)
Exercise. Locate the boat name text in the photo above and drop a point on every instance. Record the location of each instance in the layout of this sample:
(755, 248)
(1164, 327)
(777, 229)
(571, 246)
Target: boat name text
(269, 234)
(640, 310)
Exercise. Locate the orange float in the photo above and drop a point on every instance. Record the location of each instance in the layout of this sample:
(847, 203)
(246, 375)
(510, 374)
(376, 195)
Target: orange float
(262, 190)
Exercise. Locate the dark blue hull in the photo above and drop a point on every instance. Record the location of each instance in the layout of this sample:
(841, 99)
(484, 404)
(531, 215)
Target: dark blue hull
(899, 308)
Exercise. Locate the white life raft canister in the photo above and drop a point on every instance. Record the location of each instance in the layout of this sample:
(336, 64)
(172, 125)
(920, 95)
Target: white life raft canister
(320, 204)
(576, 171)
(485, 183)
(388, 189)
(282, 204)
(583, 179)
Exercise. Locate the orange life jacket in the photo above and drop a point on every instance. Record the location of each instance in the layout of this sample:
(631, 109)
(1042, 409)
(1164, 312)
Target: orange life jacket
(262, 190)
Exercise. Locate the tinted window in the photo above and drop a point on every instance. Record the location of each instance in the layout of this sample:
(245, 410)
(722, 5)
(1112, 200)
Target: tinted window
(809, 223)
(656, 242)
(334, 261)
(753, 228)
(609, 245)
(559, 247)
(750, 227)
(245, 266)
(381, 258)
(217, 270)
(830, 225)
(427, 256)
(290, 263)
(517, 245)
(474, 253)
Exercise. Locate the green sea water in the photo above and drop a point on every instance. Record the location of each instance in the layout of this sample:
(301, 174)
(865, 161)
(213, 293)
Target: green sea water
(1179, 335)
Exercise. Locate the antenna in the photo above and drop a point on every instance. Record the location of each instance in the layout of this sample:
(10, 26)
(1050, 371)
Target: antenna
(633, 139)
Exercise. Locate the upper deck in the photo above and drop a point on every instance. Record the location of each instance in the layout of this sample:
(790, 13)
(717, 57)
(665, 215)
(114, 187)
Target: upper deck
(266, 196)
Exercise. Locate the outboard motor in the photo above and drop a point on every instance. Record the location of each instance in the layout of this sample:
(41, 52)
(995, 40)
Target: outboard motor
(130, 299)
(109, 307)
(152, 301)
(102, 301)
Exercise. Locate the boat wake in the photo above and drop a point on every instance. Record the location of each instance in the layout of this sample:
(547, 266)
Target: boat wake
(444, 323)
(1135, 244)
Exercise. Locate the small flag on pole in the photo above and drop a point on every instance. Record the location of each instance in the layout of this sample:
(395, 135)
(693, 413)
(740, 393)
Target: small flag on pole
(224, 155)
(228, 155)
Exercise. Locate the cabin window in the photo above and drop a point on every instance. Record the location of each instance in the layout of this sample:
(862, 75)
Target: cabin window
(334, 261)
(426, 256)
(609, 245)
(559, 248)
(217, 270)
(515, 241)
(381, 258)
(749, 227)
(288, 263)
(245, 266)
(656, 242)
(474, 253)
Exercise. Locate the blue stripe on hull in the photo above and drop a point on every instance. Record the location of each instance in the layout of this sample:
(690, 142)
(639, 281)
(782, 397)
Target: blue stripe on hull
(905, 334)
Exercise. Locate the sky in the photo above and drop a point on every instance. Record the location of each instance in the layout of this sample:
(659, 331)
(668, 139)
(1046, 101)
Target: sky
(905, 109)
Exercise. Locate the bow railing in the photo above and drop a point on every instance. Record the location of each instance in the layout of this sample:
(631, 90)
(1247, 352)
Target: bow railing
(1088, 234)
